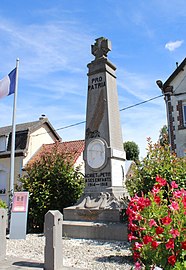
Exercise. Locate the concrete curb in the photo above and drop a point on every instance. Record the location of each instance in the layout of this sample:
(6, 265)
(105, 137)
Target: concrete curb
(15, 263)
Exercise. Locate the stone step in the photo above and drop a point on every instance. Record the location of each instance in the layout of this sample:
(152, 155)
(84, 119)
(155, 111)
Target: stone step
(108, 231)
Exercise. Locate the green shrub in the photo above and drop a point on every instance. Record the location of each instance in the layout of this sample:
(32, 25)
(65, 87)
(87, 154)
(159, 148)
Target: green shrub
(52, 184)
(3, 204)
(159, 161)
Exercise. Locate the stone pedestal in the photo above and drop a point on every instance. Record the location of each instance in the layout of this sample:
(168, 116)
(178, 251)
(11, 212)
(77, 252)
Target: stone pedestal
(98, 218)
(3, 218)
(54, 245)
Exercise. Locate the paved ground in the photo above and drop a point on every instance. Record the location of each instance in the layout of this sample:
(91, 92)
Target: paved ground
(14, 263)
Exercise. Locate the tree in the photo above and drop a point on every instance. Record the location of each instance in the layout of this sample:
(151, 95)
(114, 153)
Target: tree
(52, 183)
(163, 137)
(160, 161)
(132, 150)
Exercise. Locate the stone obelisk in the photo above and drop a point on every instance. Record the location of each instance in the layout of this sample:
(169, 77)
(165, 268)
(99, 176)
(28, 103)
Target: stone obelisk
(97, 214)
(104, 155)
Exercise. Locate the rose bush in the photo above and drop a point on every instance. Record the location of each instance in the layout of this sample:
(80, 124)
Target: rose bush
(157, 227)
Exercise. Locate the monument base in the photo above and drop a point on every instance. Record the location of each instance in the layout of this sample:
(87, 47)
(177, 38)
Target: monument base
(96, 218)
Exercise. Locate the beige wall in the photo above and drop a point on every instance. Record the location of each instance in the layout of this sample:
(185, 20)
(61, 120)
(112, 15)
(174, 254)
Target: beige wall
(41, 136)
(179, 87)
(80, 164)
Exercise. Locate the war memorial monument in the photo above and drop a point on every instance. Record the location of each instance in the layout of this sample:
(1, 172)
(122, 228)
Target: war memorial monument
(97, 214)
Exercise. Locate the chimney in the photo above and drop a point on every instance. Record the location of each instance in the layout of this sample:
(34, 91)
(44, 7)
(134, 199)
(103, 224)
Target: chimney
(43, 116)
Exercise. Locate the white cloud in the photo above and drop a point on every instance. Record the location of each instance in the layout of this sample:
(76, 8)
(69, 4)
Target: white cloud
(172, 45)
(56, 46)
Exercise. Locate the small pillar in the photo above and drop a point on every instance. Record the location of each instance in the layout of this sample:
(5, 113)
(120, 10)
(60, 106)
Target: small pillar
(53, 244)
(3, 218)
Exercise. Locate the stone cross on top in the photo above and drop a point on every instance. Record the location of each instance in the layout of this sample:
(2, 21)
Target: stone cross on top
(101, 47)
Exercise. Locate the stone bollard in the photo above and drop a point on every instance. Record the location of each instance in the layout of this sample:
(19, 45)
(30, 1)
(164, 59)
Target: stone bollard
(53, 244)
(3, 218)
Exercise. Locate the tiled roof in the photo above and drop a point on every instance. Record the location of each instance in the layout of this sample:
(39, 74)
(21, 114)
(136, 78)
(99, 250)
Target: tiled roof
(71, 149)
(175, 73)
(19, 127)
(31, 126)
(22, 133)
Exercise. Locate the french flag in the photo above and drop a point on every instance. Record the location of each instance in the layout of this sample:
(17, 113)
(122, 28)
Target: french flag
(7, 84)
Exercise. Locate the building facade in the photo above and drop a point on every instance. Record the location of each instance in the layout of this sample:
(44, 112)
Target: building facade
(28, 139)
(174, 91)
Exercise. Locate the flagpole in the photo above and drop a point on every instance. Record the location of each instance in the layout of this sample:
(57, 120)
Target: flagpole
(12, 156)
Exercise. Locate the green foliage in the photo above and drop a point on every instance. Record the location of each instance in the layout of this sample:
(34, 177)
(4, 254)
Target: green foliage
(3, 204)
(163, 137)
(159, 161)
(132, 151)
(53, 184)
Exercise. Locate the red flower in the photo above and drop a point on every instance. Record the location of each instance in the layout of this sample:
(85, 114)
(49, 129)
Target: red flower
(178, 194)
(155, 189)
(136, 256)
(184, 201)
(174, 185)
(147, 202)
(152, 222)
(137, 246)
(133, 227)
(137, 266)
(159, 230)
(162, 182)
(166, 220)
(183, 245)
(174, 206)
(142, 229)
(154, 244)
(147, 239)
(174, 233)
(170, 244)
(172, 260)
(157, 199)
(143, 202)
(131, 237)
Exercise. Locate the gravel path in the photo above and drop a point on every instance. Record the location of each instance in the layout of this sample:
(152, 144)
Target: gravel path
(79, 253)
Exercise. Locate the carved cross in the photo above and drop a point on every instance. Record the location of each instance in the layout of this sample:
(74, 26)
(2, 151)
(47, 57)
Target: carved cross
(101, 47)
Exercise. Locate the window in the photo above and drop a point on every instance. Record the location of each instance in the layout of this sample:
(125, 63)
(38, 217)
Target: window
(182, 151)
(3, 177)
(184, 115)
(3, 143)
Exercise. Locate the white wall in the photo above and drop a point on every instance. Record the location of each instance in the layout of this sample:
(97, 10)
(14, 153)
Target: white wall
(41, 136)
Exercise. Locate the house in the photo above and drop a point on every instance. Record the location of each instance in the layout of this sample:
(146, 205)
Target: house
(129, 168)
(174, 91)
(28, 139)
(72, 151)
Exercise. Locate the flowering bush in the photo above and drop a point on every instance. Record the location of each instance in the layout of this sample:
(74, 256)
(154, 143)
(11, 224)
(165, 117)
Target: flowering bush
(159, 161)
(157, 227)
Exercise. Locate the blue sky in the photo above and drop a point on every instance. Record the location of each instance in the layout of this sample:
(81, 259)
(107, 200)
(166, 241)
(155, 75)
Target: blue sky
(52, 40)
